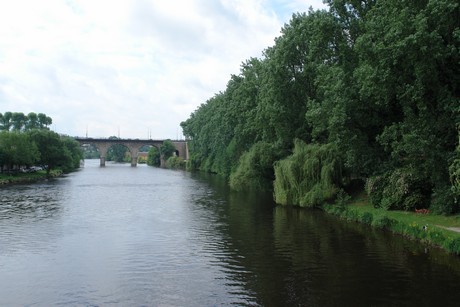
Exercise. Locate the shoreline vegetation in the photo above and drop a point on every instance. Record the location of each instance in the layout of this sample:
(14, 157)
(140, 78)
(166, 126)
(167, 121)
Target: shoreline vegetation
(30, 151)
(361, 98)
(432, 230)
(38, 176)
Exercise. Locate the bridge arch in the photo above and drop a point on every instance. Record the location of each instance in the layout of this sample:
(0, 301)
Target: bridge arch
(133, 146)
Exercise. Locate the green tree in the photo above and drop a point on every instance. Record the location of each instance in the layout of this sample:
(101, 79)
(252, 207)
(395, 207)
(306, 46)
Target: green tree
(5, 121)
(312, 175)
(116, 152)
(51, 149)
(167, 149)
(44, 121)
(153, 157)
(372, 84)
(73, 154)
(32, 121)
(18, 120)
(16, 149)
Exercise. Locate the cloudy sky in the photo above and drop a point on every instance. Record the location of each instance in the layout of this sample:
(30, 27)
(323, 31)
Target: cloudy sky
(133, 68)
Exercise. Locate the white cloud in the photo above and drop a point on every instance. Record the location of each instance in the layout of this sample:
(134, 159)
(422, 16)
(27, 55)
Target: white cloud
(128, 66)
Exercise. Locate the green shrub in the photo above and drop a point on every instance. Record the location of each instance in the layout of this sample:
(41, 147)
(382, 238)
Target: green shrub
(452, 245)
(175, 162)
(309, 177)
(445, 201)
(374, 188)
(255, 168)
(400, 189)
(366, 218)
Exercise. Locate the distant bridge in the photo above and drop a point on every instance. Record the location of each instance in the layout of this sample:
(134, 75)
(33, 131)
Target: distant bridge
(133, 146)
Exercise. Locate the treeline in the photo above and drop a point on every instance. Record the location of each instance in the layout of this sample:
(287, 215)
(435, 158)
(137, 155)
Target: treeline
(17, 121)
(367, 91)
(26, 141)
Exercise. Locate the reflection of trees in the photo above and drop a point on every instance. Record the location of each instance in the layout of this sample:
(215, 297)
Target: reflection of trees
(352, 263)
(296, 257)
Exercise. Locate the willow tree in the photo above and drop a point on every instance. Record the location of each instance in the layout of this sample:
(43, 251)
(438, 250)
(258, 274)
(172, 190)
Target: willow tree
(312, 175)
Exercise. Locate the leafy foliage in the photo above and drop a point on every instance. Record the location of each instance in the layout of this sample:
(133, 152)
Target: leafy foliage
(310, 176)
(116, 152)
(153, 157)
(371, 85)
(17, 121)
(17, 149)
(400, 189)
(255, 168)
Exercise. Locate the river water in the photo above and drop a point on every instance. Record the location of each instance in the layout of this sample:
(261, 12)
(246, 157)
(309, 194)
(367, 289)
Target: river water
(145, 236)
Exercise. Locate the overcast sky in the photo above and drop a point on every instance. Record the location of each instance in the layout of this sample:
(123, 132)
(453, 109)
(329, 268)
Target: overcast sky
(129, 68)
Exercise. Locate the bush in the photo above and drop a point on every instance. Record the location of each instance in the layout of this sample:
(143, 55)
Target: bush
(175, 163)
(445, 201)
(309, 177)
(452, 245)
(374, 189)
(366, 218)
(400, 189)
(255, 168)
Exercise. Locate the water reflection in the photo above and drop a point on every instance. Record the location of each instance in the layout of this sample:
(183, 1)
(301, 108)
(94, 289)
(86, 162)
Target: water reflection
(296, 257)
(144, 236)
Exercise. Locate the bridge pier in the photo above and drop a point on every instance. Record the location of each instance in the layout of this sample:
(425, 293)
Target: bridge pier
(133, 161)
(102, 161)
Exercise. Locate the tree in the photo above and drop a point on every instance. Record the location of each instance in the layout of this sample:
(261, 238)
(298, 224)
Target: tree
(18, 120)
(50, 147)
(5, 121)
(73, 153)
(16, 149)
(153, 157)
(167, 149)
(116, 152)
(32, 121)
(372, 84)
(44, 121)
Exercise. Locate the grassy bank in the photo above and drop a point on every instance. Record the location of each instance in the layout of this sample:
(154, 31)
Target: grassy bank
(28, 177)
(435, 230)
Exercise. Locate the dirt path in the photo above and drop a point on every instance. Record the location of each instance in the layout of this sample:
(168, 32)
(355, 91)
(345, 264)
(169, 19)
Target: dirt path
(456, 229)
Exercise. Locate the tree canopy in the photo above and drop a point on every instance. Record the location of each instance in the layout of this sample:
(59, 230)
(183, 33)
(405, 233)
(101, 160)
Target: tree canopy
(27, 141)
(372, 85)
(18, 121)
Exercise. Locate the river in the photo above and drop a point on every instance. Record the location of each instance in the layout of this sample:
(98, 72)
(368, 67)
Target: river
(143, 236)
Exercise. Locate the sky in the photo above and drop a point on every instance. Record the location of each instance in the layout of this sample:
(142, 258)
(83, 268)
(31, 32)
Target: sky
(129, 68)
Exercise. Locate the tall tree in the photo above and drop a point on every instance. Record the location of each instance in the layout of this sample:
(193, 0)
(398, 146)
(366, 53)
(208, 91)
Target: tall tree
(16, 149)
(32, 121)
(44, 121)
(50, 147)
(5, 121)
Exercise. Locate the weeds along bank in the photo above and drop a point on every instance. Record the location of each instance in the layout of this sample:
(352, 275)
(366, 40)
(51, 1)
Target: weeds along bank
(430, 230)
(29, 178)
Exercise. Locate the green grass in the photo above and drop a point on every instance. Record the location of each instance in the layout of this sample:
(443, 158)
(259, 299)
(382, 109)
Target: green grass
(362, 205)
(427, 228)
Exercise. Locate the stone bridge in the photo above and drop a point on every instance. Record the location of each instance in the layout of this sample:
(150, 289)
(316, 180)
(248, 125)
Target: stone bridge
(133, 146)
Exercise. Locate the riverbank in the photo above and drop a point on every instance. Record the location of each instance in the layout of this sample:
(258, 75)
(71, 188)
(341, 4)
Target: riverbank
(434, 230)
(28, 177)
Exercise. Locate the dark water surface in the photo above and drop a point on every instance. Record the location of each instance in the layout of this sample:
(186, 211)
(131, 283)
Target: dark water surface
(151, 237)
